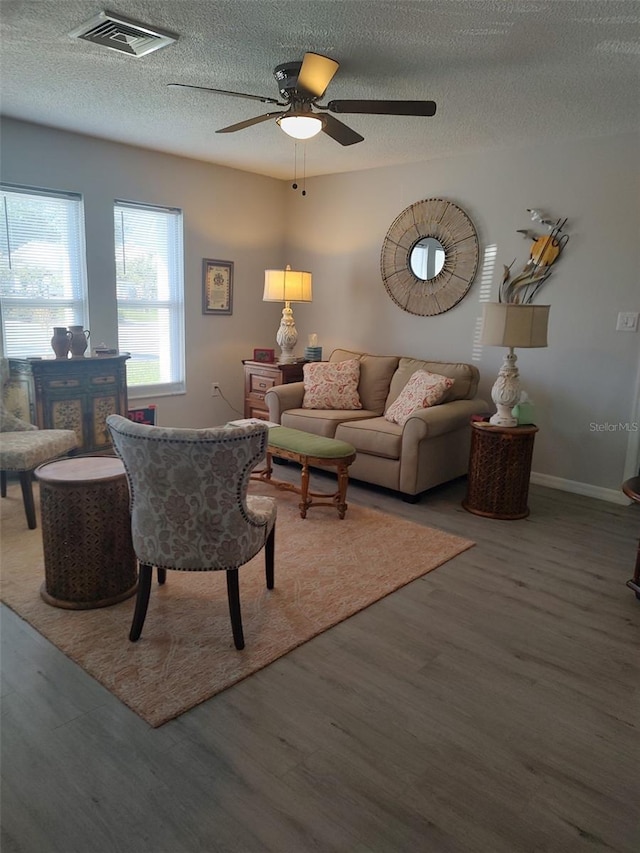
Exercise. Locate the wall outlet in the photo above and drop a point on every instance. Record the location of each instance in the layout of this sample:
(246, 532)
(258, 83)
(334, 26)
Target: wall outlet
(627, 321)
(215, 389)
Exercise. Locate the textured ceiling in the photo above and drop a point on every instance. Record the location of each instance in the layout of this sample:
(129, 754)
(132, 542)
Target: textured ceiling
(502, 72)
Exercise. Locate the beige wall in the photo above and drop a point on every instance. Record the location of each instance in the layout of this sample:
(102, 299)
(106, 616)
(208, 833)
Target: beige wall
(587, 375)
(228, 214)
(589, 371)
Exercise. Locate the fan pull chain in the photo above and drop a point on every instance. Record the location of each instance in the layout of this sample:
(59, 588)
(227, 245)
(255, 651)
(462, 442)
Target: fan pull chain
(294, 185)
(304, 170)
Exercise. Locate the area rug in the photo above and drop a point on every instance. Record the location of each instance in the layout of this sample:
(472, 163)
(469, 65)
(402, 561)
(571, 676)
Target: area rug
(326, 570)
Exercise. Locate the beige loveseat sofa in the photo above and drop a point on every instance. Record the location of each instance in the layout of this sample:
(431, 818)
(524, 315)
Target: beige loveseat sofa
(431, 448)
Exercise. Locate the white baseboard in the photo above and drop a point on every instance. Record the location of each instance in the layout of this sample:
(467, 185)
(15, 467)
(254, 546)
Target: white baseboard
(599, 492)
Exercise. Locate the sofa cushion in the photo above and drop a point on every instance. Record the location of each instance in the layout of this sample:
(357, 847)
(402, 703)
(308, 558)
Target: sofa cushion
(343, 355)
(465, 378)
(322, 421)
(424, 389)
(330, 385)
(375, 436)
(375, 376)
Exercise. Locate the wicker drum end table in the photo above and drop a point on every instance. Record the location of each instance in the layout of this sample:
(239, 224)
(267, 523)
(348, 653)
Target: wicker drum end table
(86, 533)
(499, 470)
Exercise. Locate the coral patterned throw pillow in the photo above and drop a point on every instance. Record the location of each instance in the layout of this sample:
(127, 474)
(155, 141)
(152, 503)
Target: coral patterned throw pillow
(331, 385)
(424, 389)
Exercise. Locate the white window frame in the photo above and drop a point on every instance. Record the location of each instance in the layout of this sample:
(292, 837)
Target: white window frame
(166, 344)
(61, 262)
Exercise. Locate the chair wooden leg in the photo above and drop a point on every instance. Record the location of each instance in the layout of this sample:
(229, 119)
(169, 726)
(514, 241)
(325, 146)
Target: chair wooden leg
(269, 553)
(233, 592)
(162, 576)
(3, 484)
(27, 497)
(142, 601)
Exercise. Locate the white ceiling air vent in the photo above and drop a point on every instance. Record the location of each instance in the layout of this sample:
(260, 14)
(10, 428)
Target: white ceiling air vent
(123, 35)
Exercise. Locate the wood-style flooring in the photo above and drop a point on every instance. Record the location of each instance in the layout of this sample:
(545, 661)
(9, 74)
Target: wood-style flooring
(491, 706)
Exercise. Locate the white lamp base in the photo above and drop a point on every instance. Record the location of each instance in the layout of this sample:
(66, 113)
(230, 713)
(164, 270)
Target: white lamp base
(287, 336)
(506, 392)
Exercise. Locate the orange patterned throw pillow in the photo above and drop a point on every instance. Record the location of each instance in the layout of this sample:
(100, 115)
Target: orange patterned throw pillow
(331, 385)
(424, 389)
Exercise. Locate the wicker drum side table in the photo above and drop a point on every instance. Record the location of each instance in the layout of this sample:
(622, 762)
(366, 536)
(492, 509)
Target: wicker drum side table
(86, 533)
(499, 470)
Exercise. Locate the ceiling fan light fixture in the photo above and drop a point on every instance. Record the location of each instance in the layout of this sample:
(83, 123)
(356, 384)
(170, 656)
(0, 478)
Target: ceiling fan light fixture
(301, 125)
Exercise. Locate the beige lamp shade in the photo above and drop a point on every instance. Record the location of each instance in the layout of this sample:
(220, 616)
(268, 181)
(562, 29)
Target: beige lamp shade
(287, 286)
(506, 324)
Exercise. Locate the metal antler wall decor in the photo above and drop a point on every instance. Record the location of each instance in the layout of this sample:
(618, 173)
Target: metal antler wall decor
(545, 251)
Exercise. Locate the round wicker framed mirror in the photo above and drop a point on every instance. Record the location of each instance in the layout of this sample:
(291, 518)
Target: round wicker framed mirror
(429, 257)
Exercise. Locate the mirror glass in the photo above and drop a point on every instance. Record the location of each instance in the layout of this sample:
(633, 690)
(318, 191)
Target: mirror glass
(427, 258)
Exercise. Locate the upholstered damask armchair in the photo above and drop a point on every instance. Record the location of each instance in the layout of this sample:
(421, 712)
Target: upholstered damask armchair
(190, 510)
(23, 447)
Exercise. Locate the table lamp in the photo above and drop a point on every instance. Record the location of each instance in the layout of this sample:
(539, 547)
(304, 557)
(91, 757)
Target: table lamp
(287, 286)
(507, 324)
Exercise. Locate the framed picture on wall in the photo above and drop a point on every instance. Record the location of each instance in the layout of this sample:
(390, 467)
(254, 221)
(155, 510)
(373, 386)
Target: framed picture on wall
(217, 286)
(268, 356)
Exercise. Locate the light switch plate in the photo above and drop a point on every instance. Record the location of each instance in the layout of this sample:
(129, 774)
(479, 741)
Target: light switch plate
(627, 321)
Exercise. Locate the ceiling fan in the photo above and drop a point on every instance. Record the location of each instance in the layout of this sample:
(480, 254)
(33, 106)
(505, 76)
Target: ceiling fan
(301, 86)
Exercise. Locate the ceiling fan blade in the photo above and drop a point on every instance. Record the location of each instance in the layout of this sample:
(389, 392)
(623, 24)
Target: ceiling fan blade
(261, 98)
(387, 108)
(316, 72)
(249, 122)
(340, 132)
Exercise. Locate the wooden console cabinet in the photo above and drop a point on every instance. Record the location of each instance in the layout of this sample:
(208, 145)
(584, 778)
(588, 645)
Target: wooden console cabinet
(259, 377)
(77, 394)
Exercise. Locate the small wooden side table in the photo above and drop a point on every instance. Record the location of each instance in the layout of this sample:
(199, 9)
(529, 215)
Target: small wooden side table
(499, 470)
(259, 376)
(631, 488)
(86, 533)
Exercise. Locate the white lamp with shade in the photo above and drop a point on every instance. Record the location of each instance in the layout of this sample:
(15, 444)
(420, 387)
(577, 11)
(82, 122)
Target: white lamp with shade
(508, 324)
(287, 286)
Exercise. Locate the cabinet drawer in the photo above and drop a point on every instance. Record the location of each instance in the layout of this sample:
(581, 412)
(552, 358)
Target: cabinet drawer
(103, 380)
(259, 378)
(254, 412)
(260, 384)
(62, 383)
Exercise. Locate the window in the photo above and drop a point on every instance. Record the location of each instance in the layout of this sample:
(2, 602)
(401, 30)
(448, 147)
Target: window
(150, 293)
(43, 280)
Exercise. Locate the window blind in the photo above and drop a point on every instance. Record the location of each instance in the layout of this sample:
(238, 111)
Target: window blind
(150, 294)
(43, 280)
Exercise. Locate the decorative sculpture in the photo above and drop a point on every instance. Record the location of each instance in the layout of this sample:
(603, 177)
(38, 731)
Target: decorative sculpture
(545, 251)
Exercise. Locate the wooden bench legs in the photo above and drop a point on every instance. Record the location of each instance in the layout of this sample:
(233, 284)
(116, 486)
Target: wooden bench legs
(339, 499)
(307, 497)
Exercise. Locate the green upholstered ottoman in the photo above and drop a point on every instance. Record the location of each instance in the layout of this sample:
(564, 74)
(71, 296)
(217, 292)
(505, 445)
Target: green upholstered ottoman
(310, 450)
